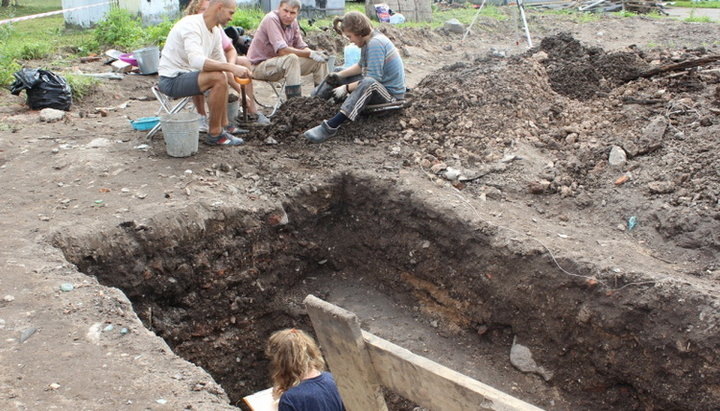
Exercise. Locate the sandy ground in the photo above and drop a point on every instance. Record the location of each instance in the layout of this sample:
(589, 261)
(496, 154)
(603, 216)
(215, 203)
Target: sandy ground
(85, 348)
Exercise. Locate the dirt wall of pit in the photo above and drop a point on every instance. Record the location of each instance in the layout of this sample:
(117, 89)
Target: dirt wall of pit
(214, 281)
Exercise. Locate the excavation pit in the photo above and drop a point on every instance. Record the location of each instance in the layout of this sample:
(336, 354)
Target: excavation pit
(215, 281)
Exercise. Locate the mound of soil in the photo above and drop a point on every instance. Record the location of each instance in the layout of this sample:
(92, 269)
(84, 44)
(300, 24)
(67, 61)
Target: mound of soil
(571, 104)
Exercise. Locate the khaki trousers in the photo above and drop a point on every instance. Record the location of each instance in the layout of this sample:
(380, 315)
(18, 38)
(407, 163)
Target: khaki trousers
(290, 67)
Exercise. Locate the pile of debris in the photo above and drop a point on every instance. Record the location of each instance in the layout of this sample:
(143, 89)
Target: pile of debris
(604, 6)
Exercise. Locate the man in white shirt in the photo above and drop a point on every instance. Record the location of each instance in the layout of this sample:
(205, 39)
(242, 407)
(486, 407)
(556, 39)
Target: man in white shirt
(193, 62)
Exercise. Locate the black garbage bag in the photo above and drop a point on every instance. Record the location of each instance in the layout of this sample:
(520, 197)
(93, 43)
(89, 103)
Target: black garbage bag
(44, 89)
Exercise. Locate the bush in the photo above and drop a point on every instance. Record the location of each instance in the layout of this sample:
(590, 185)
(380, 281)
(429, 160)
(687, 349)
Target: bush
(157, 34)
(247, 18)
(8, 66)
(32, 51)
(119, 29)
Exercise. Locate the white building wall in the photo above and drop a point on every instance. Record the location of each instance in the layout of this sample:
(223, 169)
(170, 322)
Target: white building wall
(85, 17)
(155, 11)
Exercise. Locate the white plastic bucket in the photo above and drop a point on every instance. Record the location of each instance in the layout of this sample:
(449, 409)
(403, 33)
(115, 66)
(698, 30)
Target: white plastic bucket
(233, 108)
(148, 59)
(181, 132)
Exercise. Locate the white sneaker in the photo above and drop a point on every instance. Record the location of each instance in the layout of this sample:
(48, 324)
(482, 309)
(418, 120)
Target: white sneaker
(203, 124)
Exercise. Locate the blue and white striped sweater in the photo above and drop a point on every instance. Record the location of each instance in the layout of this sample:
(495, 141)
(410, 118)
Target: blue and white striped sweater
(381, 60)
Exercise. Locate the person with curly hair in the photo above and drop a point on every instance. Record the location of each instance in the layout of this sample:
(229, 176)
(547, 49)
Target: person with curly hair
(300, 382)
(379, 76)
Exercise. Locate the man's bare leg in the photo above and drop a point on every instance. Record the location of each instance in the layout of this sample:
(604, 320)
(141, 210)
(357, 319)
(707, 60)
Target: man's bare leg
(199, 102)
(216, 82)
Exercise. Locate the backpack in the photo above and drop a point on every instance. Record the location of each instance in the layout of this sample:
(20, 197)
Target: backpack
(240, 41)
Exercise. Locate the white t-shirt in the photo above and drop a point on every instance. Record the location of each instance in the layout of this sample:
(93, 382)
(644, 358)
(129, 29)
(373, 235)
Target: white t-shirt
(188, 45)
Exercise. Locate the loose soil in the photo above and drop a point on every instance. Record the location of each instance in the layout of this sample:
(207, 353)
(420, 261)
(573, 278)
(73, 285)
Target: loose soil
(608, 273)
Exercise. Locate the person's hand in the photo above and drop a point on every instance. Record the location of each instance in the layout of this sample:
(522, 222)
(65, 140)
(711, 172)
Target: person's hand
(242, 72)
(333, 79)
(318, 56)
(340, 92)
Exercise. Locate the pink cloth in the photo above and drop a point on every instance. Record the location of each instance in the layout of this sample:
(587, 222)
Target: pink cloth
(272, 36)
(226, 41)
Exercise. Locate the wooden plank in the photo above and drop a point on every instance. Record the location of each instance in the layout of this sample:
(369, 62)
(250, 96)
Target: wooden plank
(340, 337)
(676, 66)
(432, 385)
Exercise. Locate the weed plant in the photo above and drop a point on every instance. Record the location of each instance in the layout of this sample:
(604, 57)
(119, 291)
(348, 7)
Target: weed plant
(80, 85)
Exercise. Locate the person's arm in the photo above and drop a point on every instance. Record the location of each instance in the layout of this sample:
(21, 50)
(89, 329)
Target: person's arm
(375, 60)
(292, 50)
(353, 70)
(231, 54)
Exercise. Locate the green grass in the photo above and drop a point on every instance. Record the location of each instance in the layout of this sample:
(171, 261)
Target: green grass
(698, 19)
(699, 4)
(25, 41)
(577, 16)
(247, 18)
(28, 7)
(81, 85)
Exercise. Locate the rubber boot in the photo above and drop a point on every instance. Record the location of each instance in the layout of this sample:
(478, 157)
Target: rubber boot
(293, 91)
(320, 133)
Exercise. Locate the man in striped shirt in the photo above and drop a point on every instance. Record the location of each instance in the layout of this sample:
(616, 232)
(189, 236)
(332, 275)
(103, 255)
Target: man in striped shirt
(379, 76)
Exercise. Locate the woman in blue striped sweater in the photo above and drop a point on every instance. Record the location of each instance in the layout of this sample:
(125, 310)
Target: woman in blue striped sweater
(379, 76)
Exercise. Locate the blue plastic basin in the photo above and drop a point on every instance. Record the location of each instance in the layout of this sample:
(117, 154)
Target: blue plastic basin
(145, 123)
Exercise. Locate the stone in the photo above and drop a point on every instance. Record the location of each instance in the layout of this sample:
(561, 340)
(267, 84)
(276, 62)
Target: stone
(617, 157)
(438, 167)
(66, 287)
(651, 138)
(51, 115)
(540, 56)
(661, 187)
(539, 187)
(9, 298)
(99, 142)
(27, 333)
(521, 358)
(454, 26)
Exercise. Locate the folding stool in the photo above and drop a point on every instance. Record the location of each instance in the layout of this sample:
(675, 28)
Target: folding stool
(376, 108)
(278, 88)
(166, 106)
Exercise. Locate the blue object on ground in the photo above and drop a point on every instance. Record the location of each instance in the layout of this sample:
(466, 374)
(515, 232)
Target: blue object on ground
(145, 123)
(632, 222)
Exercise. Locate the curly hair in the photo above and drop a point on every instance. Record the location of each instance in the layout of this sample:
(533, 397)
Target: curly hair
(193, 7)
(293, 353)
(353, 22)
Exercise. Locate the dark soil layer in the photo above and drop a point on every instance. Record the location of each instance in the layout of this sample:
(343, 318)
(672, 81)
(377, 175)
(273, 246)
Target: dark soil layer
(215, 284)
